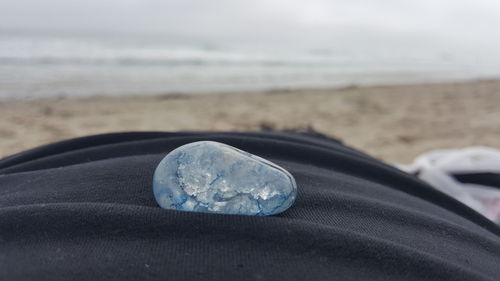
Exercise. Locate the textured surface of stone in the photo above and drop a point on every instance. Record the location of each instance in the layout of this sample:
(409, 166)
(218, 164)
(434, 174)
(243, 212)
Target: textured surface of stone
(212, 177)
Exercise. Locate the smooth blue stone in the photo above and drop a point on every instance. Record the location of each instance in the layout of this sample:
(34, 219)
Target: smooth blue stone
(213, 177)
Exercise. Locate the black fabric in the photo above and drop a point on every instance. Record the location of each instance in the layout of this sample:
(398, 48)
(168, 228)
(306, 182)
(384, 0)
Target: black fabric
(488, 179)
(83, 209)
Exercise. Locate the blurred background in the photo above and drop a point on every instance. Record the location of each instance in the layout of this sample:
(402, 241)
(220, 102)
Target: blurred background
(393, 78)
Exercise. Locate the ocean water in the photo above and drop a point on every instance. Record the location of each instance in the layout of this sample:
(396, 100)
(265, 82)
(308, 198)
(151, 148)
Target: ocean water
(39, 65)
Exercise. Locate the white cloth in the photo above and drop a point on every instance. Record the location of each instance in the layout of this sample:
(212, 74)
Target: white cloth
(438, 167)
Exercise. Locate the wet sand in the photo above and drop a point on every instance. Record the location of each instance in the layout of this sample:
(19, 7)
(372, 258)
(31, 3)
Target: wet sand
(393, 123)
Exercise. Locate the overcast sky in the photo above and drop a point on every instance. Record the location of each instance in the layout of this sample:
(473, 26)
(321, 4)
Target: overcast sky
(461, 22)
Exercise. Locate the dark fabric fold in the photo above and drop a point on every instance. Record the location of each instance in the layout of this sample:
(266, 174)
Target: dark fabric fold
(83, 209)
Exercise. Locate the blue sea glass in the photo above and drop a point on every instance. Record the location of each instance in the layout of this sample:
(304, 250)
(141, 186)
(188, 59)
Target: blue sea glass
(213, 177)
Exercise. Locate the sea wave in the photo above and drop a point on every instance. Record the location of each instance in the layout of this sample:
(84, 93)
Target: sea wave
(37, 66)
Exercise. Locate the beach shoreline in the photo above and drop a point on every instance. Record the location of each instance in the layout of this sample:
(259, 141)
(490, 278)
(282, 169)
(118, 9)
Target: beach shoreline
(393, 122)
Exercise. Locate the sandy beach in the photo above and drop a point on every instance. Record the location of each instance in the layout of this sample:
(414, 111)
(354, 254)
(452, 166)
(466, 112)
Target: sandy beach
(393, 123)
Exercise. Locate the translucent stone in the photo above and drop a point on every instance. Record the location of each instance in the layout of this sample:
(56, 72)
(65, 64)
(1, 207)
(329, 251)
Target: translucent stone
(212, 177)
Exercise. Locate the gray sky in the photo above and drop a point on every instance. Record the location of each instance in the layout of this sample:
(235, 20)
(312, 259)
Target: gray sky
(451, 22)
